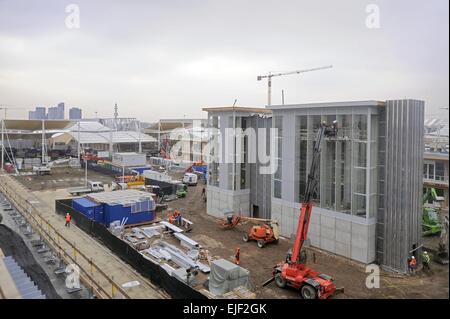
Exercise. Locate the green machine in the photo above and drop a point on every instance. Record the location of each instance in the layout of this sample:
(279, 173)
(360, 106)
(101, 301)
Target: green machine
(430, 220)
(181, 190)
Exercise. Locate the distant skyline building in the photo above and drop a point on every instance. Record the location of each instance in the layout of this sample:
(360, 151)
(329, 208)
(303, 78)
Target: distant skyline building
(57, 112)
(54, 113)
(75, 113)
(38, 114)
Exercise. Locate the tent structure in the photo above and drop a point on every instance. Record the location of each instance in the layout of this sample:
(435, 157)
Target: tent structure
(29, 127)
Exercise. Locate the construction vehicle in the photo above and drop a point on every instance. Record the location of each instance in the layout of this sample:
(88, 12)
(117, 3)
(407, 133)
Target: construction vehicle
(190, 179)
(181, 190)
(230, 221)
(43, 169)
(131, 181)
(199, 167)
(263, 234)
(293, 271)
(430, 220)
(92, 187)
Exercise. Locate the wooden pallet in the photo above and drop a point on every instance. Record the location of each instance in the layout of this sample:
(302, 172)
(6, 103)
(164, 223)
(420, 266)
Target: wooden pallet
(240, 293)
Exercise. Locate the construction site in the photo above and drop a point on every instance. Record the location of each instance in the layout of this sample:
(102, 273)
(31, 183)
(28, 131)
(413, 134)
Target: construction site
(339, 193)
(145, 226)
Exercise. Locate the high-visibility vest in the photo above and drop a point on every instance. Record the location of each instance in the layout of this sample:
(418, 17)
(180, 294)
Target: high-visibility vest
(67, 218)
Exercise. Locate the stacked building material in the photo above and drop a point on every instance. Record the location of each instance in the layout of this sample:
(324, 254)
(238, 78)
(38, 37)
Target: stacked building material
(226, 276)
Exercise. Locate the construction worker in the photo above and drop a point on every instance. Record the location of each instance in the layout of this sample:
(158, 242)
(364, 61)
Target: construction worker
(426, 260)
(412, 264)
(68, 219)
(237, 256)
(204, 194)
(177, 216)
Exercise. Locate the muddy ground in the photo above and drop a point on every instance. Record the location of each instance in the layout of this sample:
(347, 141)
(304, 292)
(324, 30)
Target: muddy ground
(13, 245)
(349, 275)
(61, 178)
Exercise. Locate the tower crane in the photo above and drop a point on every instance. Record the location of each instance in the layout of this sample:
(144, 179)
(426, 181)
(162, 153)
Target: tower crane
(271, 75)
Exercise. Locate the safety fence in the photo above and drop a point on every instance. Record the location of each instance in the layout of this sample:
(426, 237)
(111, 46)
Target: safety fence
(154, 272)
(91, 275)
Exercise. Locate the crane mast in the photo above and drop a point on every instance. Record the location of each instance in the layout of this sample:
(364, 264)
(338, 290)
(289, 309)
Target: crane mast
(305, 213)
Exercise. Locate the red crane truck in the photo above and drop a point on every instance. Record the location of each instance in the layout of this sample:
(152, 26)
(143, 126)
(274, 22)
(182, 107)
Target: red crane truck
(293, 271)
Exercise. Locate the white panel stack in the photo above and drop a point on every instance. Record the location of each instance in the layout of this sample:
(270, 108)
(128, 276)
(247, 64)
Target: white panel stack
(130, 159)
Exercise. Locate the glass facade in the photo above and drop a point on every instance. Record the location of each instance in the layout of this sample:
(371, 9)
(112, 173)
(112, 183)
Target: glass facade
(277, 177)
(214, 138)
(348, 164)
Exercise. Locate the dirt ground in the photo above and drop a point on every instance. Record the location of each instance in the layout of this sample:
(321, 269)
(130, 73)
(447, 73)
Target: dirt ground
(349, 275)
(13, 245)
(61, 178)
(221, 243)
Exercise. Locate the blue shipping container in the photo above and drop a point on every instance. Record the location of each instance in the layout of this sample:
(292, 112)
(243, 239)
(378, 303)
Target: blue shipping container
(200, 169)
(90, 209)
(119, 212)
(140, 170)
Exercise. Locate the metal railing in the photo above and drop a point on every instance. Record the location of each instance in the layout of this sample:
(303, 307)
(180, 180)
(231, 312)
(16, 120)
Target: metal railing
(437, 179)
(55, 240)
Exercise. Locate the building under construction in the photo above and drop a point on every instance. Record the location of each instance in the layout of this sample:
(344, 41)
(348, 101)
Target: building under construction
(369, 201)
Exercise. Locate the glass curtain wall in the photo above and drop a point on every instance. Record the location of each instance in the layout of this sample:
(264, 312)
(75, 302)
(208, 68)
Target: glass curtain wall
(301, 144)
(214, 138)
(348, 164)
(277, 177)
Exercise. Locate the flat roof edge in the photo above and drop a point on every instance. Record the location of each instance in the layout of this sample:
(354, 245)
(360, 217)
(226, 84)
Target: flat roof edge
(329, 104)
(237, 109)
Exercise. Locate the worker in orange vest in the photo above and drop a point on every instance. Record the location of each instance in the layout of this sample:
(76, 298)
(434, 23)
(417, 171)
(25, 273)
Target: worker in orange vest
(237, 256)
(68, 219)
(412, 264)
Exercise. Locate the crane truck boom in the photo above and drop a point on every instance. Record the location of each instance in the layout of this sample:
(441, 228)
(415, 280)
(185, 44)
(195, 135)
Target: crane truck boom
(293, 271)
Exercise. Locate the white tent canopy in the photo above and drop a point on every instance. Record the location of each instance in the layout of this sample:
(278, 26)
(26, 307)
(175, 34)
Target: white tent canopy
(102, 137)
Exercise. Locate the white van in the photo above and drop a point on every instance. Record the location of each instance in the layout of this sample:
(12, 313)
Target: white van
(190, 179)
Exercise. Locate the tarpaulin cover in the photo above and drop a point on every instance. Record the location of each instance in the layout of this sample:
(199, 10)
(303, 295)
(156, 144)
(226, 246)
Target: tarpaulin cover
(225, 276)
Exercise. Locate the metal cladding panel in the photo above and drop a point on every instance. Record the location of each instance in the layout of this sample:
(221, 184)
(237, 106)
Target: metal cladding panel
(402, 213)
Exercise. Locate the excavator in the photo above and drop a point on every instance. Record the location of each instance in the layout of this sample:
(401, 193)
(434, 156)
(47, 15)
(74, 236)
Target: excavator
(293, 271)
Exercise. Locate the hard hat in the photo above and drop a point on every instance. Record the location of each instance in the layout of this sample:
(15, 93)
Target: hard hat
(413, 257)
(425, 252)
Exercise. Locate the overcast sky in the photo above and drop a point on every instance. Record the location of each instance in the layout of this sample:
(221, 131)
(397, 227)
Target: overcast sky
(166, 59)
